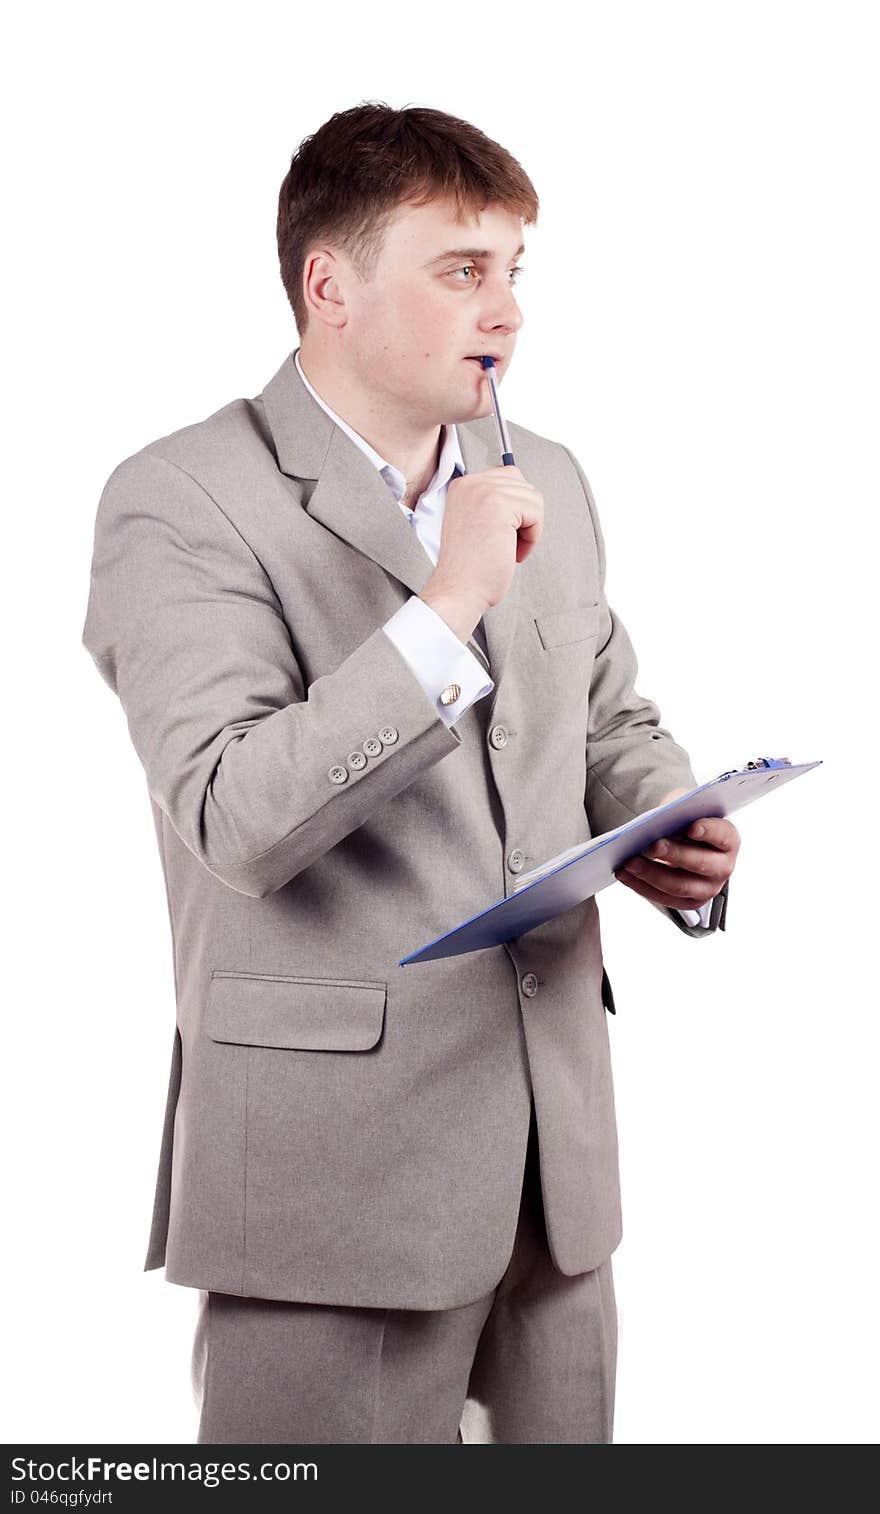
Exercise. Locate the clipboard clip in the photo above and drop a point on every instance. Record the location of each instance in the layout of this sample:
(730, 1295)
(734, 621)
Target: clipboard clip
(760, 762)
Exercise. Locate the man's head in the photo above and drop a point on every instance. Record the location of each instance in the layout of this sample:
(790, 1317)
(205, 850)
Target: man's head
(398, 235)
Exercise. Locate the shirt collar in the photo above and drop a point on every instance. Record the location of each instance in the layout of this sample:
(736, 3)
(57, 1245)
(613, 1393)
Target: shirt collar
(449, 464)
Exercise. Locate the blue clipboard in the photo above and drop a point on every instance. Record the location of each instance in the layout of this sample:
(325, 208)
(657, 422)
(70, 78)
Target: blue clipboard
(596, 861)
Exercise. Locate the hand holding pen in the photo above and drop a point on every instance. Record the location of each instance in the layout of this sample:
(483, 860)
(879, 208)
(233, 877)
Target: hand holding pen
(492, 520)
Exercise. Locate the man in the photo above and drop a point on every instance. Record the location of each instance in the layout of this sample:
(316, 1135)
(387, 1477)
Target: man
(372, 675)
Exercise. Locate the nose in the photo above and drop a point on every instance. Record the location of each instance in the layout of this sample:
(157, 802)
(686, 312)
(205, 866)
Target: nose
(515, 319)
(504, 313)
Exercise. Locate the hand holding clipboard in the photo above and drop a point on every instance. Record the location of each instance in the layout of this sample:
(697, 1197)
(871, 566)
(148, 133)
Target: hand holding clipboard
(574, 875)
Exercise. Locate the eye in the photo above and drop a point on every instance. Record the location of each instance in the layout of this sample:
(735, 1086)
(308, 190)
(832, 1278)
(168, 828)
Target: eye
(518, 269)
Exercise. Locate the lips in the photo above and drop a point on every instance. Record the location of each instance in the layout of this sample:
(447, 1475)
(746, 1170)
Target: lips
(472, 359)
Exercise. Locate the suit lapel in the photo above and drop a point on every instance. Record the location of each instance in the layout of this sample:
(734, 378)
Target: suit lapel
(352, 499)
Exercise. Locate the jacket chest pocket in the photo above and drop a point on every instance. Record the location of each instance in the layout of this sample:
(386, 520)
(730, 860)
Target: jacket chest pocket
(564, 628)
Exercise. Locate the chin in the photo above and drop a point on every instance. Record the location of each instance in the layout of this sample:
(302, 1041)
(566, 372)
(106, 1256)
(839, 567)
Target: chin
(462, 417)
(471, 407)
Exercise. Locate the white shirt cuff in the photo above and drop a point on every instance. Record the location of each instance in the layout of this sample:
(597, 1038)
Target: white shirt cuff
(697, 916)
(437, 657)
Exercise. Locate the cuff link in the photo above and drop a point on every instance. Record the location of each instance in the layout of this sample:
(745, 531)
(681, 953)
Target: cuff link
(450, 693)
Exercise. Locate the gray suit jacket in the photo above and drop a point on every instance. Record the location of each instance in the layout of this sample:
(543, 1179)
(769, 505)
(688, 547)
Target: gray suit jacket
(340, 1129)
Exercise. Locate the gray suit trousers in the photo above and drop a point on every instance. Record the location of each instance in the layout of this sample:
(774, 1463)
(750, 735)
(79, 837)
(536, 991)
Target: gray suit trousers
(533, 1361)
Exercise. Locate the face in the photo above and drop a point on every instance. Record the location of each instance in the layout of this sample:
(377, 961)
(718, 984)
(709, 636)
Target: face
(441, 294)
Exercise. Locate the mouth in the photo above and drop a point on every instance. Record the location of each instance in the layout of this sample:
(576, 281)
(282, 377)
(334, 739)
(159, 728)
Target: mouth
(477, 359)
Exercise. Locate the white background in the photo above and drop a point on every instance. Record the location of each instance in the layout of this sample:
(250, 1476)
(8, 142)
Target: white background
(701, 329)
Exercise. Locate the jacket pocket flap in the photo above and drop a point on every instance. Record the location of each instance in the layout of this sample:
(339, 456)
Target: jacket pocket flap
(560, 627)
(312, 1014)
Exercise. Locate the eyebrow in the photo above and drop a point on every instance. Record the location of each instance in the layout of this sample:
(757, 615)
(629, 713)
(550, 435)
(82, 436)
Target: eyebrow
(467, 252)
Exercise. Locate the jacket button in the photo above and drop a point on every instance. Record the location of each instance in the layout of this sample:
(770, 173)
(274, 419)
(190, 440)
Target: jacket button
(529, 985)
(356, 760)
(388, 735)
(498, 735)
(515, 860)
(338, 775)
(372, 747)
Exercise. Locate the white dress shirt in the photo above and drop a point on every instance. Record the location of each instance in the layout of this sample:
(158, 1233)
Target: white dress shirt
(435, 654)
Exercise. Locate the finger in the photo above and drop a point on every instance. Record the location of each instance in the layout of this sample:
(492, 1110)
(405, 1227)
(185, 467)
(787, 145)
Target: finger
(531, 532)
(657, 895)
(687, 888)
(707, 862)
(714, 830)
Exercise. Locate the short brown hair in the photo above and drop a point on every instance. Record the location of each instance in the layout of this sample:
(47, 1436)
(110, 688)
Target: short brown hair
(347, 179)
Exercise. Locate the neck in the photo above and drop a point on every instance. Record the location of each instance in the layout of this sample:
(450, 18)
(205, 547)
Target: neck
(416, 453)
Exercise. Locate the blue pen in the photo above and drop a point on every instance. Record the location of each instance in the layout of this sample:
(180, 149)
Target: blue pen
(504, 440)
